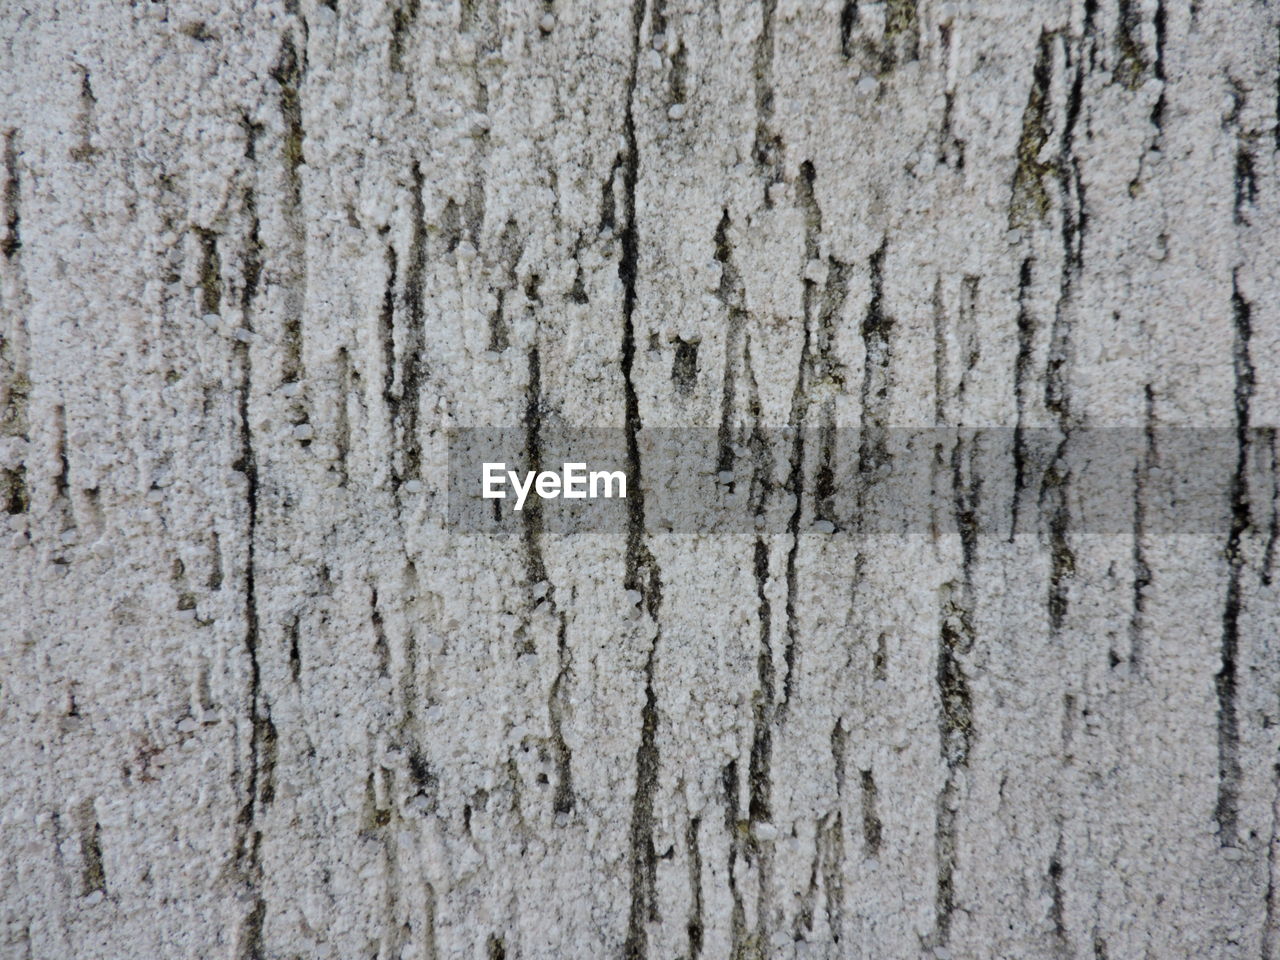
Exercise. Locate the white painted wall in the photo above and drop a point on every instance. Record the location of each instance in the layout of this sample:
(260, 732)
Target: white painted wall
(258, 700)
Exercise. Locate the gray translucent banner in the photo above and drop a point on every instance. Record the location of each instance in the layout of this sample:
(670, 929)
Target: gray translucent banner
(993, 481)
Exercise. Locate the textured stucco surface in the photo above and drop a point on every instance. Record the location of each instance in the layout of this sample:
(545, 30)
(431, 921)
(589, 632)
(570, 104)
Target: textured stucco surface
(258, 700)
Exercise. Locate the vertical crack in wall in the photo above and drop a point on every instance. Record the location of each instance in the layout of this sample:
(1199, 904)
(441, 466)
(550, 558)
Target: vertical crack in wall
(508, 259)
(483, 20)
(1029, 202)
(15, 392)
(871, 826)
(1057, 381)
(557, 704)
(1273, 525)
(798, 419)
(676, 81)
(1277, 131)
(848, 21)
(825, 871)
(968, 335)
(694, 925)
(542, 590)
(1132, 59)
(93, 875)
(210, 271)
(877, 379)
(411, 343)
(762, 701)
(84, 151)
(1160, 25)
(261, 733)
(730, 293)
(381, 647)
(62, 481)
(402, 369)
(1141, 568)
(342, 430)
(767, 149)
(736, 830)
(940, 363)
(955, 716)
(387, 341)
(829, 372)
(642, 572)
(408, 681)
(950, 146)
(759, 772)
(883, 41)
(1246, 180)
(1229, 772)
(15, 387)
(1057, 900)
(12, 241)
(1071, 186)
(403, 18)
(805, 912)
(535, 565)
(288, 74)
(251, 266)
(901, 33)
(1062, 558)
(833, 836)
(250, 836)
(1026, 324)
(292, 634)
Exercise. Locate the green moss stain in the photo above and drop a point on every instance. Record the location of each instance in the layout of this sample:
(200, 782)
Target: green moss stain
(901, 33)
(1030, 200)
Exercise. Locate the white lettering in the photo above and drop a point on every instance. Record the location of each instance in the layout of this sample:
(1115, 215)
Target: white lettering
(608, 479)
(522, 489)
(575, 481)
(492, 477)
(548, 485)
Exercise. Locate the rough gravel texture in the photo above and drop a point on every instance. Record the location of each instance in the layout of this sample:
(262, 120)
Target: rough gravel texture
(259, 700)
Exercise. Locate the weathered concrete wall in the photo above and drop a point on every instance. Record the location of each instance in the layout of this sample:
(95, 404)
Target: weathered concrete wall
(258, 700)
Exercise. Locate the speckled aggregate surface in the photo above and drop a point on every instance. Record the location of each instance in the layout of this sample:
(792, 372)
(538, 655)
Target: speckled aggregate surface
(258, 699)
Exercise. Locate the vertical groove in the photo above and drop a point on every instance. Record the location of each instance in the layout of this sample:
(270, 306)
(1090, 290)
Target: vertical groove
(248, 857)
(640, 566)
(762, 701)
(871, 826)
(1021, 369)
(386, 339)
(288, 73)
(767, 149)
(734, 828)
(1141, 569)
(798, 419)
(694, 927)
(12, 241)
(93, 875)
(412, 338)
(1029, 199)
(1229, 773)
(731, 295)
(1057, 386)
(1273, 524)
(1057, 899)
(955, 717)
